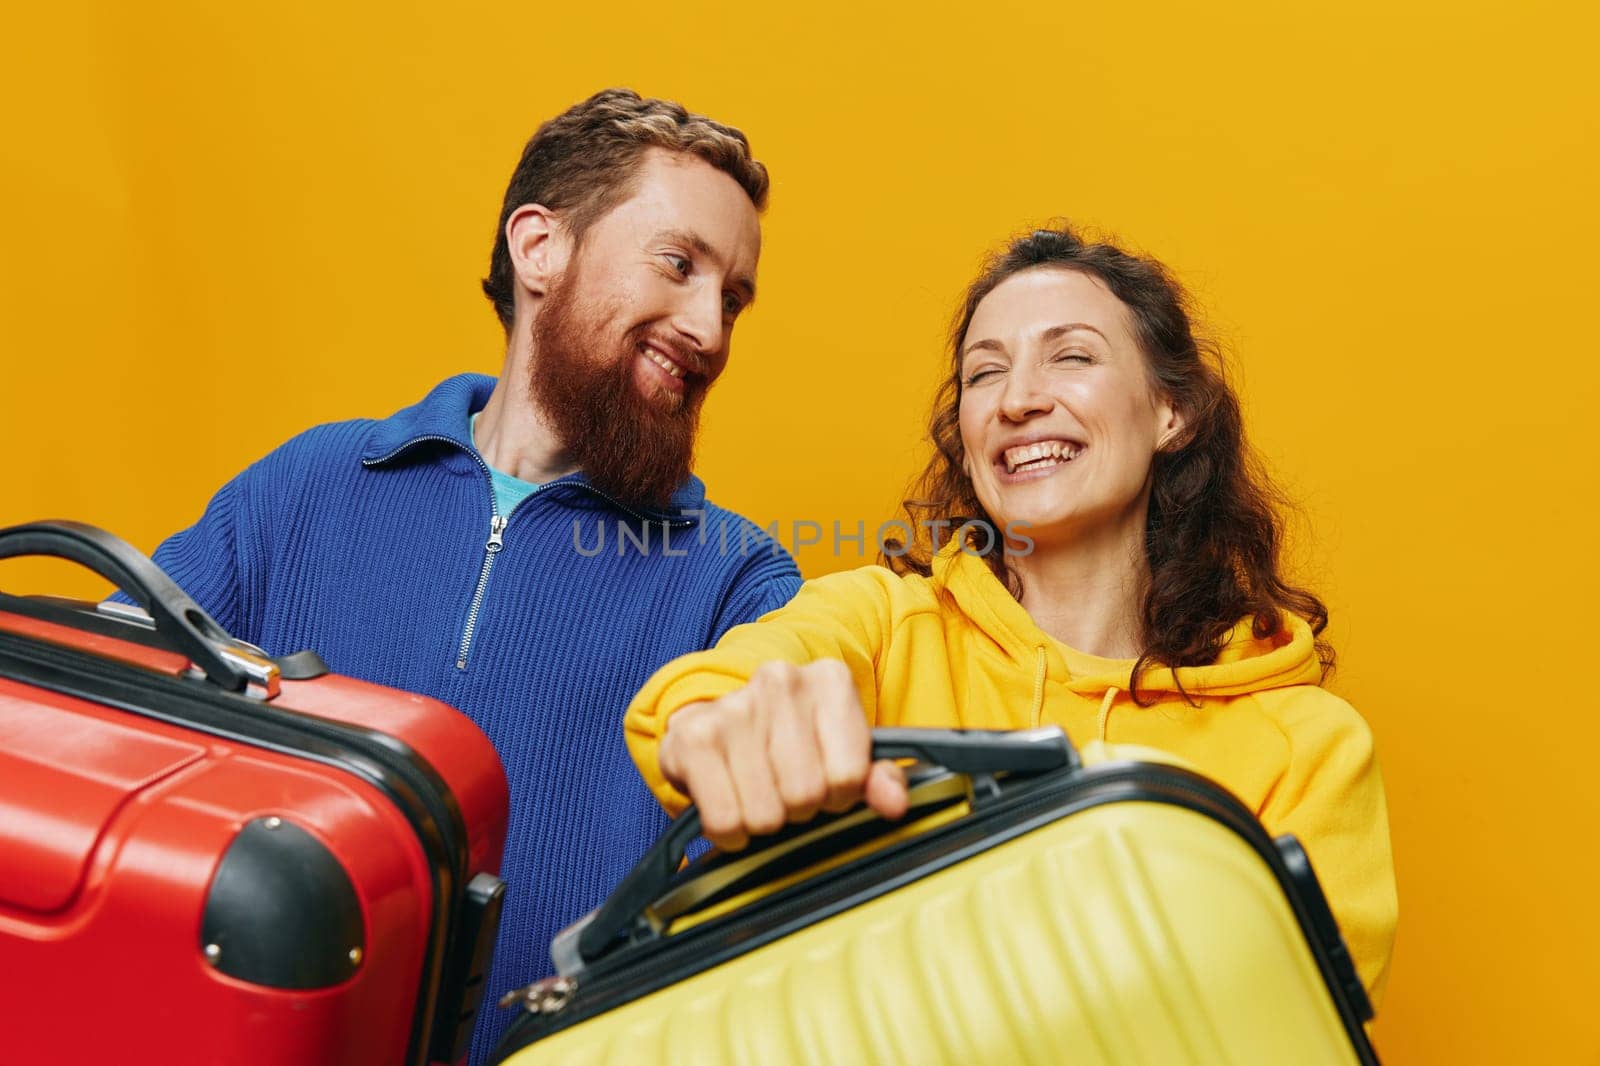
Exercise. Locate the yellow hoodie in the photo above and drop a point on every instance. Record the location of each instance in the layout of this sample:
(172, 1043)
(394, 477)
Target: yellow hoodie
(956, 650)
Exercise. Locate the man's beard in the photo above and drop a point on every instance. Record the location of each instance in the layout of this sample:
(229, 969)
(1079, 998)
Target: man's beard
(637, 449)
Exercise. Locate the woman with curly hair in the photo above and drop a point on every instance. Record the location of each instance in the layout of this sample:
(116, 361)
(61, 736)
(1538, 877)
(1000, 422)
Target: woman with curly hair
(1113, 569)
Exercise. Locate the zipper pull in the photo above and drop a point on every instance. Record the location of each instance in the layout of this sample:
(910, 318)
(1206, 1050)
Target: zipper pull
(548, 996)
(497, 527)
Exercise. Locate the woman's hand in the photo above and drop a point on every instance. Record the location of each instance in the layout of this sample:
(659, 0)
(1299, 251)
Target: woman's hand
(791, 742)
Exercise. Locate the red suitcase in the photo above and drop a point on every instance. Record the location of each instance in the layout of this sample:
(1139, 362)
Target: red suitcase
(209, 856)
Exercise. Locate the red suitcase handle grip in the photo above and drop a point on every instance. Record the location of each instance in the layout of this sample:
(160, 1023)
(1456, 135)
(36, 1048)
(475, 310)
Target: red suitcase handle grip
(178, 618)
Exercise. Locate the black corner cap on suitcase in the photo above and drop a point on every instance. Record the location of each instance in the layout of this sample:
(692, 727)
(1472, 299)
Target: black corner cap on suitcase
(1324, 927)
(978, 752)
(177, 617)
(466, 968)
(281, 911)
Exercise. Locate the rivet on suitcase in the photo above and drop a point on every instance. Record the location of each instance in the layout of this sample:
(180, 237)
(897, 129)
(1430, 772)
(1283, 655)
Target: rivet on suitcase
(1032, 907)
(210, 856)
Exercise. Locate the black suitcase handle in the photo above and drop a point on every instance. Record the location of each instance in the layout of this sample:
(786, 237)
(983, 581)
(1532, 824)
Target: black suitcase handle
(966, 751)
(178, 618)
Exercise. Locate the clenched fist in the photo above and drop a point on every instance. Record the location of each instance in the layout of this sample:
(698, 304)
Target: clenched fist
(791, 742)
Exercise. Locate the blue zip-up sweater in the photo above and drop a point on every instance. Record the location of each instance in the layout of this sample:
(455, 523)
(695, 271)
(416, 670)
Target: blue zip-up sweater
(370, 542)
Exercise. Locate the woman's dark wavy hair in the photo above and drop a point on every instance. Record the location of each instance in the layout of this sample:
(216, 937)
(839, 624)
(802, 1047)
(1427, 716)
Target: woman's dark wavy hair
(1213, 536)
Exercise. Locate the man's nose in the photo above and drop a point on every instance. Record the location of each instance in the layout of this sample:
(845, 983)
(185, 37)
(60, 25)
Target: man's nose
(699, 320)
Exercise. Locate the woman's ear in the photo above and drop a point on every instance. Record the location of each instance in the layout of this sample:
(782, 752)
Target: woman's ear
(1172, 426)
(539, 246)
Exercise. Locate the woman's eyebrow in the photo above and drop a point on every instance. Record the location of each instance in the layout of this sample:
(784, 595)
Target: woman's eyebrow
(1053, 333)
(1056, 332)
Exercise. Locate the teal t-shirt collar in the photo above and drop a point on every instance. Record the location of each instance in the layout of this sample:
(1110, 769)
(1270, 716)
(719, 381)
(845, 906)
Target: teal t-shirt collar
(508, 491)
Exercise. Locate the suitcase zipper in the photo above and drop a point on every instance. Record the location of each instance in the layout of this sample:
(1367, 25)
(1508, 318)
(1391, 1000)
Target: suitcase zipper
(497, 528)
(548, 996)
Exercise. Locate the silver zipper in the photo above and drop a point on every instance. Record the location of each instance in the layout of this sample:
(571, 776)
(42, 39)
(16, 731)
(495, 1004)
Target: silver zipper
(497, 528)
(497, 525)
(675, 523)
(406, 444)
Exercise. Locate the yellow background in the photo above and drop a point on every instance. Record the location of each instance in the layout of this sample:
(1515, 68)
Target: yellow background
(225, 224)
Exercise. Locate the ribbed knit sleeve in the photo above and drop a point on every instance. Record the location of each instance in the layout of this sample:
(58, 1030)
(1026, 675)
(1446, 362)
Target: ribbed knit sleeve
(204, 561)
(766, 583)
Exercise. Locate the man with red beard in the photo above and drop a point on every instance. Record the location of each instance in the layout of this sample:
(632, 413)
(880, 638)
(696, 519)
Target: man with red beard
(450, 549)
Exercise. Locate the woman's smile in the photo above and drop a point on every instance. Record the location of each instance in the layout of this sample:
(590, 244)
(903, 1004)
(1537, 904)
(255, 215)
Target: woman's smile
(1032, 460)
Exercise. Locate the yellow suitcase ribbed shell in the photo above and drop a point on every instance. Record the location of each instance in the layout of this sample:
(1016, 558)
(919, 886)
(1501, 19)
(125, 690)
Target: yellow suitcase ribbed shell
(1133, 932)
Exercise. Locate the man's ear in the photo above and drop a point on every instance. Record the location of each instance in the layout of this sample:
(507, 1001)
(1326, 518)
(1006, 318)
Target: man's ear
(1172, 426)
(539, 246)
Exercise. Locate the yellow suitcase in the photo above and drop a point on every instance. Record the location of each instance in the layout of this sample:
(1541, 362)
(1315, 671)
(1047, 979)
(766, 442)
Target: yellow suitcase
(1034, 906)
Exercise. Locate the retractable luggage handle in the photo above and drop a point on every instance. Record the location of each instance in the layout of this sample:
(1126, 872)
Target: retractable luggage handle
(178, 618)
(977, 752)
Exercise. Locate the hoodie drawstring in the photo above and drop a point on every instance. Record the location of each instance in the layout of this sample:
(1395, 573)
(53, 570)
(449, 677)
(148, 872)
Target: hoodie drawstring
(1105, 712)
(1038, 697)
(1038, 689)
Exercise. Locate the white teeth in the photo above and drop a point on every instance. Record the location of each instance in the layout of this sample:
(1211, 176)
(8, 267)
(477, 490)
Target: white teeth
(1040, 455)
(664, 363)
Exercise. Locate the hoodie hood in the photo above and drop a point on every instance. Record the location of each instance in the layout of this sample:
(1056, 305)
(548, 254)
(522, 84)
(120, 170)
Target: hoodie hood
(1246, 664)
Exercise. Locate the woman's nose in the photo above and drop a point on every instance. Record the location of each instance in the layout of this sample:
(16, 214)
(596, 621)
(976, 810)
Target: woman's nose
(1024, 395)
